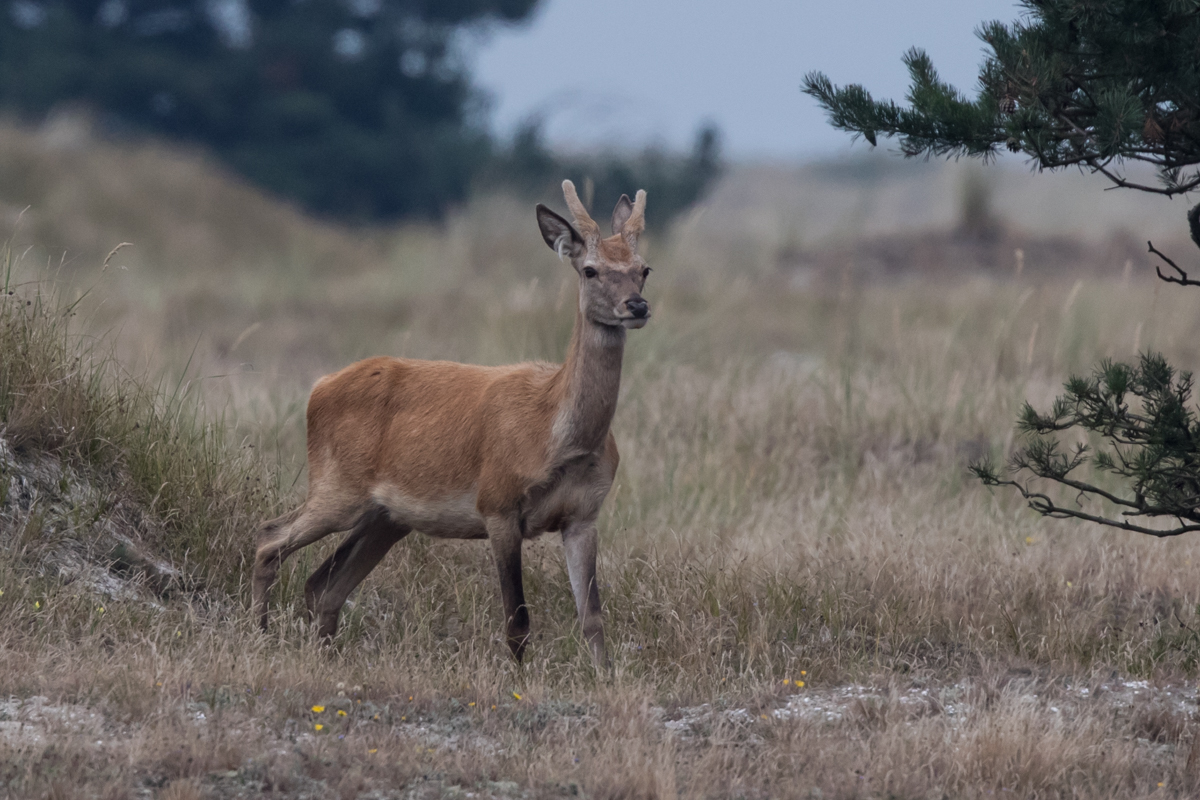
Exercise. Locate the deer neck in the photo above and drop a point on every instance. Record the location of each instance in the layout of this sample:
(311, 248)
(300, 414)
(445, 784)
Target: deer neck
(587, 387)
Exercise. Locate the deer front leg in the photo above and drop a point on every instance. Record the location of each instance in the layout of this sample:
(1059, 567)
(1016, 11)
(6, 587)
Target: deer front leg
(505, 536)
(579, 541)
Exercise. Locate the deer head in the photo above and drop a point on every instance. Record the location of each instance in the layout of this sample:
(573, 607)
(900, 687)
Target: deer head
(611, 273)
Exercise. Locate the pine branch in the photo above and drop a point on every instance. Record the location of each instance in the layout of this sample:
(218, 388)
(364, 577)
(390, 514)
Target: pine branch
(1067, 87)
(1182, 279)
(1042, 504)
(1149, 439)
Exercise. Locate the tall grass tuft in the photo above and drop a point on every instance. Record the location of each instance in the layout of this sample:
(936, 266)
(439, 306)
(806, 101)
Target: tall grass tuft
(155, 446)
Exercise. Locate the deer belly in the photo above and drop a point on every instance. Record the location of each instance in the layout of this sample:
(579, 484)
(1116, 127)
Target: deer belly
(449, 517)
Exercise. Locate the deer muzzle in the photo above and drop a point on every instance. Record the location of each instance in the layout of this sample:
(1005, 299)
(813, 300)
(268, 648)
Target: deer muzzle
(637, 312)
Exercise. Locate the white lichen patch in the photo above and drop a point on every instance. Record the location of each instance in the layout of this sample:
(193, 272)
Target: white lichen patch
(77, 531)
(953, 702)
(36, 721)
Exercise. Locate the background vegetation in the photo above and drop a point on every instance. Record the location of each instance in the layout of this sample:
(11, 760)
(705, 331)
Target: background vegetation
(361, 110)
(793, 502)
(1100, 87)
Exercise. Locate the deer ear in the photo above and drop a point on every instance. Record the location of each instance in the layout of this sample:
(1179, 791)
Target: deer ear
(559, 234)
(621, 214)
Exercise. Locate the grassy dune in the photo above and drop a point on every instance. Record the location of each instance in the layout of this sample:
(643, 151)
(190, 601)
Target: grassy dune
(805, 594)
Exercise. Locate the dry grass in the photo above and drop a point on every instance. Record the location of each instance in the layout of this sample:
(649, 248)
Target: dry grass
(792, 507)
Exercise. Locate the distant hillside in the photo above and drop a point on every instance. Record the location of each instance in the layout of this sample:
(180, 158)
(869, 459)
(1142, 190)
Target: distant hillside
(877, 215)
(74, 197)
(881, 194)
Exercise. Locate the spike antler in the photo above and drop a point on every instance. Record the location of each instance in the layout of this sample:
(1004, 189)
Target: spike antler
(637, 220)
(588, 228)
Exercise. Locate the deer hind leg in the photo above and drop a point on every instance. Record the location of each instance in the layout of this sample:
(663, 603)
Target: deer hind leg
(505, 536)
(282, 536)
(327, 589)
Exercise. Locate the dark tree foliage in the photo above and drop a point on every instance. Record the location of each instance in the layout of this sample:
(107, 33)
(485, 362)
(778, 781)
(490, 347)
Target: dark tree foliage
(359, 108)
(1091, 84)
(1088, 83)
(1150, 440)
(673, 181)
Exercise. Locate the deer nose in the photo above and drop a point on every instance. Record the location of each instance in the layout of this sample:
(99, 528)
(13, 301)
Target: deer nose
(638, 307)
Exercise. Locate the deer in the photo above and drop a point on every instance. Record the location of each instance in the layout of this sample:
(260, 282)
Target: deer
(460, 451)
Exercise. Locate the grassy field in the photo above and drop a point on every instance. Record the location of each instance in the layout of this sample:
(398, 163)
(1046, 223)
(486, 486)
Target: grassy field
(805, 593)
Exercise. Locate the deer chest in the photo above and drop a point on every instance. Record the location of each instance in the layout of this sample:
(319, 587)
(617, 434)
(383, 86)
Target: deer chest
(573, 493)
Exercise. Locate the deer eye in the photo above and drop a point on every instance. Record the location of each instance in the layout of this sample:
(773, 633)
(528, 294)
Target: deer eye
(645, 273)
(588, 272)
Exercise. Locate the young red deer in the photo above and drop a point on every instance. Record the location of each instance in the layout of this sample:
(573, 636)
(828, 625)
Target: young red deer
(467, 452)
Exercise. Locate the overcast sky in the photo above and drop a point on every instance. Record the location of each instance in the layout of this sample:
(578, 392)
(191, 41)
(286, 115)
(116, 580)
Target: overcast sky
(634, 71)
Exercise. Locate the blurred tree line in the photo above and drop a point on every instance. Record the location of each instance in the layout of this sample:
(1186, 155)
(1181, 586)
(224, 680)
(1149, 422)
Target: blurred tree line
(674, 181)
(359, 109)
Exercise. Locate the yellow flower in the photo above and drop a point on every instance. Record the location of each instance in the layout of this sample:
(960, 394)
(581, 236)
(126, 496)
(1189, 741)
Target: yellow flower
(318, 727)
(318, 709)
(341, 713)
(404, 719)
(100, 609)
(373, 750)
(470, 705)
(764, 716)
(1028, 540)
(786, 681)
(410, 698)
(799, 684)
(1160, 785)
(516, 695)
(803, 672)
(493, 708)
(1069, 584)
(158, 684)
(37, 603)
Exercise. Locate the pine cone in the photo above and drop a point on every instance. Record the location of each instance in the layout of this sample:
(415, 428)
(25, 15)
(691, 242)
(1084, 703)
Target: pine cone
(1013, 144)
(1008, 104)
(1152, 131)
